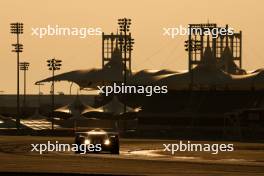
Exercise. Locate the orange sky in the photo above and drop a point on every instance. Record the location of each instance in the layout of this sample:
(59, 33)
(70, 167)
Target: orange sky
(152, 50)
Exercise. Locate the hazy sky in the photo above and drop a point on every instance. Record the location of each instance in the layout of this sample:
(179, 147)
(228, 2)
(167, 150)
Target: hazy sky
(152, 50)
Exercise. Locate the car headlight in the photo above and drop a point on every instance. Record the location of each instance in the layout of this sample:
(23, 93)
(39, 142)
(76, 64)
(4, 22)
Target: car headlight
(107, 142)
(87, 141)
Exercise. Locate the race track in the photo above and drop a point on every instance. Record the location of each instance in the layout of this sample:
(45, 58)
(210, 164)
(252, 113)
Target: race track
(137, 157)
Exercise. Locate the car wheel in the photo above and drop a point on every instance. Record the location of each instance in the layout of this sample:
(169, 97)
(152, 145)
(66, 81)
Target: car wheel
(115, 149)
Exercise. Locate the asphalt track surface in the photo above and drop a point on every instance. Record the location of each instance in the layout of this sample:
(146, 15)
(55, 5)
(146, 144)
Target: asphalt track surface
(137, 157)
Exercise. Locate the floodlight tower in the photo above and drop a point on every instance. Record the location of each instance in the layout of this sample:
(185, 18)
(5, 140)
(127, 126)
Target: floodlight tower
(53, 64)
(124, 25)
(24, 67)
(17, 28)
(126, 44)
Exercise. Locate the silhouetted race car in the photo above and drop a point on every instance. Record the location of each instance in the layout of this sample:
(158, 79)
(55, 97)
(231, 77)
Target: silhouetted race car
(97, 140)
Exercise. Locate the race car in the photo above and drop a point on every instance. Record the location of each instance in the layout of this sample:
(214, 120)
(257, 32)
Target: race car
(101, 140)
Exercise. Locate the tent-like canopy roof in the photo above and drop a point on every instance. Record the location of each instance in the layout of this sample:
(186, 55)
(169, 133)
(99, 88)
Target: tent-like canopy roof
(115, 107)
(209, 73)
(112, 71)
(147, 77)
(77, 108)
(86, 78)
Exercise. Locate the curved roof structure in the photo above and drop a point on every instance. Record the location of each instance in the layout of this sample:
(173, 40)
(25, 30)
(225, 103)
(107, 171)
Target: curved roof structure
(211, 73)
(147, 77)
(201, 75)
(93, 77)
(76, 109)
(87, 78)
(115, 107)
